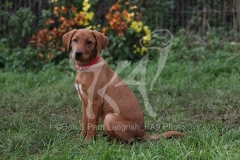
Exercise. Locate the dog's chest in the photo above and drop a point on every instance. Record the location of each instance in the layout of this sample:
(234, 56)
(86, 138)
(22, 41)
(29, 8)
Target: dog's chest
(83, 82)
(79, 89)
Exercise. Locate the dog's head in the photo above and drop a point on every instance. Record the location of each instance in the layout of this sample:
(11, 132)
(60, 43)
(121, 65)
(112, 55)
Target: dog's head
(86, 44)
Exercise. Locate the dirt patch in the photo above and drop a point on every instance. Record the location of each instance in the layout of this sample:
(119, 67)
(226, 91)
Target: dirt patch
(229, 116)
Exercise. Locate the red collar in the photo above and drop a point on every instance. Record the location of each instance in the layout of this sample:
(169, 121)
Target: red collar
(92, 62)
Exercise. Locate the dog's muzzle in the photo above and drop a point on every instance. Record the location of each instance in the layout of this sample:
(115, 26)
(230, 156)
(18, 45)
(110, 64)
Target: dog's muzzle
(78, 54)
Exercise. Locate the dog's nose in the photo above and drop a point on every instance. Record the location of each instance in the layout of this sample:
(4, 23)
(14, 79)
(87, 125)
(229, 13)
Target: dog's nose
(78, 54)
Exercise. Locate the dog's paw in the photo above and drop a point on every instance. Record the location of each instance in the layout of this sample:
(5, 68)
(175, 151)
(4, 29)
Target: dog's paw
(89, 137)
(79, 138)
(83, 133)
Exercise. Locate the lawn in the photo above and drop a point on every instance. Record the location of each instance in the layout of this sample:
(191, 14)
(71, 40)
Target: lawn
(40, 113)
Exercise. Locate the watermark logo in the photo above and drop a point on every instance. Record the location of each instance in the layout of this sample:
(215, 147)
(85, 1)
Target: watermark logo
(161, 42)
(149, 127)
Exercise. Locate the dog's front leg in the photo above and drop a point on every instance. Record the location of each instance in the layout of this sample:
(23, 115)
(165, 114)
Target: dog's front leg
(84, 121)
(92, 114)
(92, 129)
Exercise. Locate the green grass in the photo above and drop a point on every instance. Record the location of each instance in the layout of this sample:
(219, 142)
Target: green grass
(40, 113)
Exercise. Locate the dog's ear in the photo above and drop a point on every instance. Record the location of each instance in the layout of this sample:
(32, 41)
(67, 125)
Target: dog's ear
(67, 38)
(102, 40)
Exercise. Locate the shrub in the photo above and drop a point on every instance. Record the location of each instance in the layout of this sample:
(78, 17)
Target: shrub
(4, 52)
(48, 40)
(21, 27)
(124, 28)
(124, 23)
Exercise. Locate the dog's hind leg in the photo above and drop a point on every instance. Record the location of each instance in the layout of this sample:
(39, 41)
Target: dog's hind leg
(121, 129)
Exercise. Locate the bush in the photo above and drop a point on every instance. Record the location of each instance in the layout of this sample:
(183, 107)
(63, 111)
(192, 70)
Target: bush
(124, 28)
(156, 13)
(21, 27)
(5, 50)
(124, 23)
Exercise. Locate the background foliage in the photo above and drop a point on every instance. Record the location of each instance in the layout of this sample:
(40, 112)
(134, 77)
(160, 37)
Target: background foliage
(199, 26)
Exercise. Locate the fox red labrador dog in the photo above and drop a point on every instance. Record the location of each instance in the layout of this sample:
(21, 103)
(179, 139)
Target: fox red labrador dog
(102, 97)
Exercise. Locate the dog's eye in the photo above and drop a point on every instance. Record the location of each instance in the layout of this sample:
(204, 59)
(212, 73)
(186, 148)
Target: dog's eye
(89, 42)
(75, 40)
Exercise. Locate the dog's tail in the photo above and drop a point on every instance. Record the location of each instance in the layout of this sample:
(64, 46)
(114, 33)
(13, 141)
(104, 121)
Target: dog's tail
(168, 134)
